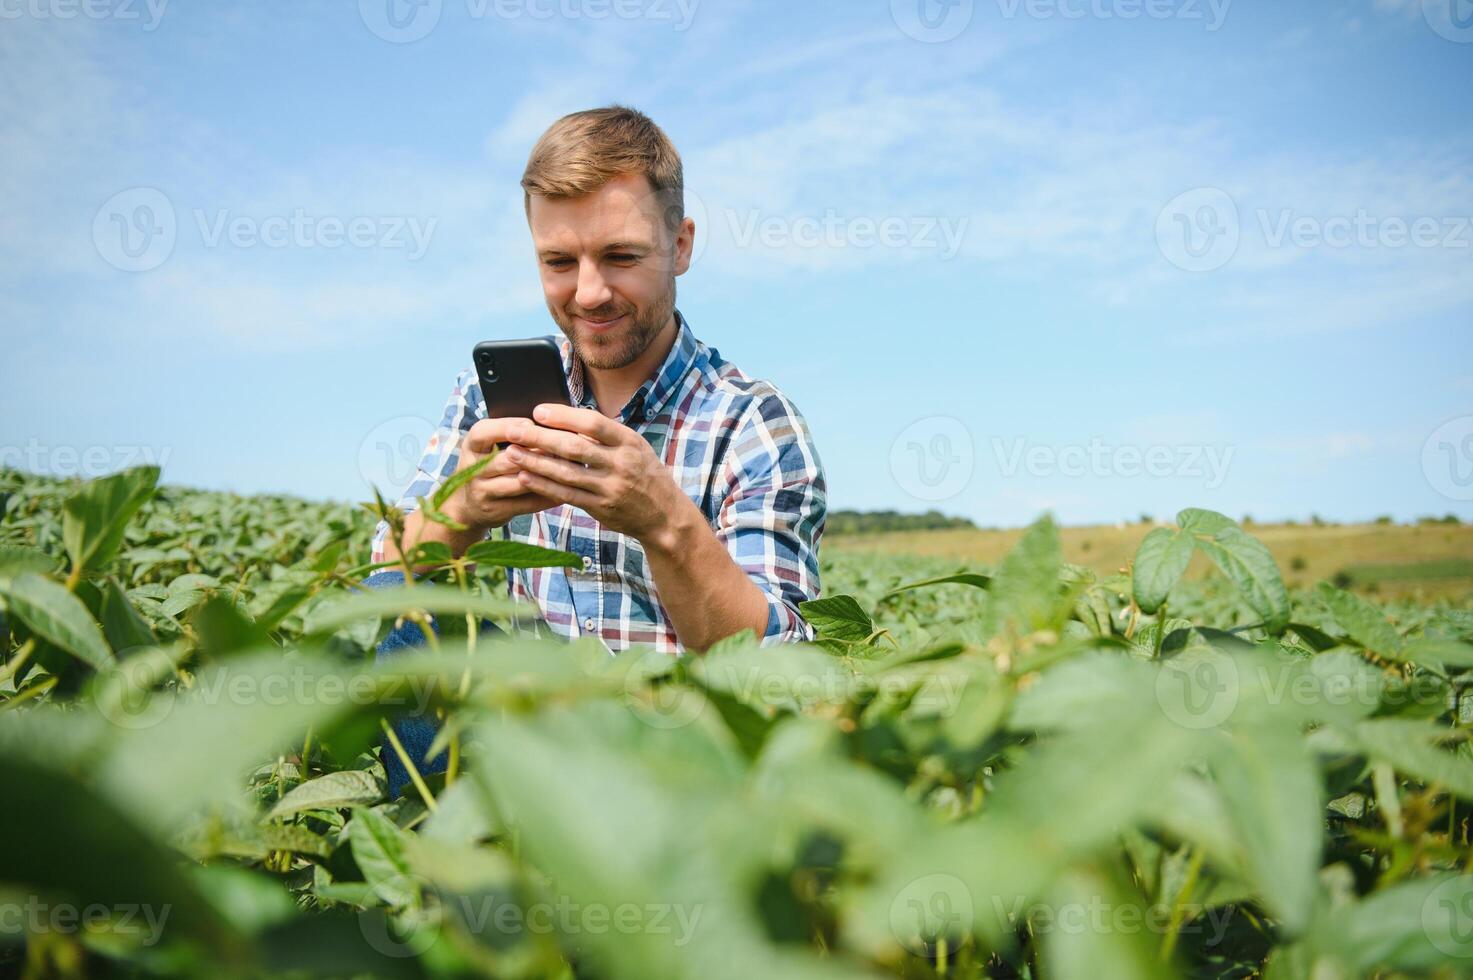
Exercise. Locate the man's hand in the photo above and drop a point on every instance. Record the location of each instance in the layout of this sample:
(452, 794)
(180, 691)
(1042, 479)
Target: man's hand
(578, 456)
(494, 495)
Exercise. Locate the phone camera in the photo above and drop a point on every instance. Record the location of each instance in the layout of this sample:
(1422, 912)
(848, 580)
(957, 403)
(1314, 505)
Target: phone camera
(486, 361)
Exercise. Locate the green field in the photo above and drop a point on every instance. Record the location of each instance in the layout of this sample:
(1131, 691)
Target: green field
(1421, 561)
(1046, 754)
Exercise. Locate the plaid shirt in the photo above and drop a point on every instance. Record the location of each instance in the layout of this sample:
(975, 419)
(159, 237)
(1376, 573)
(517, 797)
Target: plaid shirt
(737, 447)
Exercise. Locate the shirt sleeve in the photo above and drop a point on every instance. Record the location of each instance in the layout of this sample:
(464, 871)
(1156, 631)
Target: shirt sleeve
(772, 516)
(441, 455)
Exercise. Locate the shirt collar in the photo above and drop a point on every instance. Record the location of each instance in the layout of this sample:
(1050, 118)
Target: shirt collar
(651, 396)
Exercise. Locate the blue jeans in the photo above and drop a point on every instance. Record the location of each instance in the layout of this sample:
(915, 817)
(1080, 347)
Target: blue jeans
(415, 732)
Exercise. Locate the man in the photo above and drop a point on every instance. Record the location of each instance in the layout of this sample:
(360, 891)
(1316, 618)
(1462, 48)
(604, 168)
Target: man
(694, 495)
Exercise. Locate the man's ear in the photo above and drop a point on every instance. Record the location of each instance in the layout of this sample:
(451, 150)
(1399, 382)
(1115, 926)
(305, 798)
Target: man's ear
(685, 240)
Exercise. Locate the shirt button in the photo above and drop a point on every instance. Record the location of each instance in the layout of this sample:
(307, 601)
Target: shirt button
(588, 625)
(587, 562)
(649, 413)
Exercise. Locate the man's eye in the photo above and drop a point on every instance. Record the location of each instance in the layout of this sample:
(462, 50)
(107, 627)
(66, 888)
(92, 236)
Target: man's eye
(623, 257)
(559, 263)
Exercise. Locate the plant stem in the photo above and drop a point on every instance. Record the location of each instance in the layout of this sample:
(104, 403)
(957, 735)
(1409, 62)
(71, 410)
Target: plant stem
(19, 660)
(414, 776)
(34, 691)
(1179, 906)
(1384, 781)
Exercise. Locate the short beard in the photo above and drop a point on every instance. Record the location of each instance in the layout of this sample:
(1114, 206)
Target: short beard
(613, 353)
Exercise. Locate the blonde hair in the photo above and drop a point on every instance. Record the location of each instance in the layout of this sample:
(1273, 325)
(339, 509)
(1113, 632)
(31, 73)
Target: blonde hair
(584, 150)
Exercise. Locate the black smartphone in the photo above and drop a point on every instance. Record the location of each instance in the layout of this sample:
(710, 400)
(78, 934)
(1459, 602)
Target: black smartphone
(518, 375)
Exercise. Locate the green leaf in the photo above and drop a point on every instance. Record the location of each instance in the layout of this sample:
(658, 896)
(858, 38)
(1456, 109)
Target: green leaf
(960, 578)
(791, 678)
(1025, 594)
(459, 479)
(1198, 521)
(1272, 795)
(1244, 560)
(93, 519)
(1159, 563)
(285, 603)
(224, 629)
(1097, 947)
(838, 617)
(121, 623)
(350, 787)
(337, 613)
(1410, 747)
(378, 849)
(59, 617)
(1362, 621)
(1438, 653)
(518, 554)
(430, 553)
(439, 517)
(74, 842)
(16, 560)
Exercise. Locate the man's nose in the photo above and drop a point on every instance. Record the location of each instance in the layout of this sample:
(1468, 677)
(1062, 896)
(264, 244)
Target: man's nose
(593, 289)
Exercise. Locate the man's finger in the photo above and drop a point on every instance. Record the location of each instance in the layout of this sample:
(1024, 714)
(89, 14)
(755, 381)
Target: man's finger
(483, 437)
(560, 492)
(555, 442)
(498, 487)
(557, 468)
(586, 421)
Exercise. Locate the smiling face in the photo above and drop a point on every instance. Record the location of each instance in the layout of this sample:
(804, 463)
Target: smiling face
(608, 262)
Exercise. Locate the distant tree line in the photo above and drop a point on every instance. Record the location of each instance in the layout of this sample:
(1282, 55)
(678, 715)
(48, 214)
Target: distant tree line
(875, 521)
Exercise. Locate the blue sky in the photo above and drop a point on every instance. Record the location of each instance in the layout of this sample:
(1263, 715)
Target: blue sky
(1099, 257)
